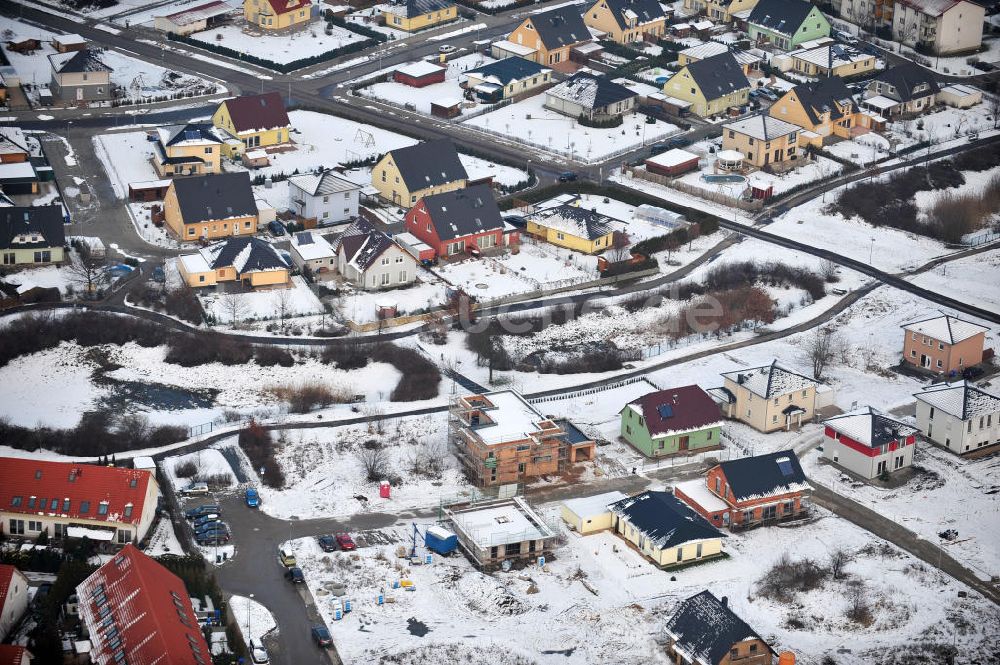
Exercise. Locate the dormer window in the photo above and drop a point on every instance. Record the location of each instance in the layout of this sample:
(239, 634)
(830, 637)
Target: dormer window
(102, 509)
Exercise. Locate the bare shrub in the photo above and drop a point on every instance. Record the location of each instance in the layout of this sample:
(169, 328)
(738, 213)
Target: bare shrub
(269, 356)
(374, 461)
(419, 378)
(350, 355)
(186, 469)
(427, 459)
(258, 446)
(787, 577)
(822, 346)
(214, 479)
(858, 608)
(839, 558)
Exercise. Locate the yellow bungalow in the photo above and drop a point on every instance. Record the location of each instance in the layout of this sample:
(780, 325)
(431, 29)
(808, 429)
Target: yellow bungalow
(549, 36)
(832, 60)
(252, 261)
(627, 21)
(277, 14)
(711, 85)
(417, 15)
(208, 207)
(663, 529)
(31, 236)
(723, 11)
(574, 227)
(590, 514)
(749, 62)
(191, 149)
(825, 108)
(763, 140)
(406, 175)
(252, 121)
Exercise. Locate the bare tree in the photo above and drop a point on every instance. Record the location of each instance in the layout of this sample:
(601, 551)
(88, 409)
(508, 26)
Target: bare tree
(91, 275)
(821, 347)
(374, 461)
(374, 417)
(428, 458)
(235, 307)
(839, 559)
(994, 107)
(828, 269)
(282, 299)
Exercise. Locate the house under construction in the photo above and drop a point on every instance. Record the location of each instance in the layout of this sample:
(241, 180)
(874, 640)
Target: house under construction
(501, 438)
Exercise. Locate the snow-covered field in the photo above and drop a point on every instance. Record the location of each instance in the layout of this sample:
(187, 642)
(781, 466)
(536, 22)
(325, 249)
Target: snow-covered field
(298, 300)
(363, 306)
(558, 619)
(280, 48)
(529, 122)
(208, 463)
(164, 540)
(975, 279)
(253, 619)
(421, 98)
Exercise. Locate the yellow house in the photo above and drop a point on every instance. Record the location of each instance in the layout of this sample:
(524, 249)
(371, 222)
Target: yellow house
(590, 514)
(419, 14)
(704, 50)
(763, 140)
(767, 398)
(252, 261)
(277, 14)
(825, 108)
(406, 175)
(711, 85)
(832, 60)
(551, 35)
(627, 21)
(665, 530)
(252, 121)
(720, 10)
(574, 227)
(191, 149)
(31, 236)
(211, 206)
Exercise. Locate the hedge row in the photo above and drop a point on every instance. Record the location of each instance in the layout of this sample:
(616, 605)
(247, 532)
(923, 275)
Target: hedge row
(493, 11)
(285, 68)
(358, 28)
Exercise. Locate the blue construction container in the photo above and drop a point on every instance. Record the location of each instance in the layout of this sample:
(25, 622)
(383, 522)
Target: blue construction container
(440, 540)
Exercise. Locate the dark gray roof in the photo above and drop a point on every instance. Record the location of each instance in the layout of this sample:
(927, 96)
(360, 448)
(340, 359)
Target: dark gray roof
(46, 221)
(784, 16)
(246, 255)
(590, 91)
(905, 78)
(429, 164)
(464, 212)
(210, 197)
(645, 10)
(508, 70)
(664, 519)
(193, 131)
(820, 96)
(362, 243)
(85, 60)
(765, 475)
(576, 220)
(561, 26)
(718, 76)
(706, 628)
(419, 7)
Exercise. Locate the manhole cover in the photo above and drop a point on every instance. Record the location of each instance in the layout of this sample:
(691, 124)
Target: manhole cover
(482, 286)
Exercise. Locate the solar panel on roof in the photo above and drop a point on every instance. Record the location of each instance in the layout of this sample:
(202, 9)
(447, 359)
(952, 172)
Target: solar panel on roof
(785, 465)
(665, 411)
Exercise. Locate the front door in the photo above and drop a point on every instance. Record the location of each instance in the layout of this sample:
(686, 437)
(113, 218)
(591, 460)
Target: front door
(682, 443)
(925, 360)
(79, 94)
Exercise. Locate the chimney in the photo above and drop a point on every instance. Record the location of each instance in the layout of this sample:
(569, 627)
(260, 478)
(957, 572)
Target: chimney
(725, 601)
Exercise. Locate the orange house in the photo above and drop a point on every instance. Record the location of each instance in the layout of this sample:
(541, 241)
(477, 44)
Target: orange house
(944, 344)
(551, 34)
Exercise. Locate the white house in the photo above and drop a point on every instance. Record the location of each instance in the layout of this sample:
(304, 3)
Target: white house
(940, 26)
(369, 259)
(310, 249)
(868, 443)
(324, 197)
(959, 416)
(13, 597)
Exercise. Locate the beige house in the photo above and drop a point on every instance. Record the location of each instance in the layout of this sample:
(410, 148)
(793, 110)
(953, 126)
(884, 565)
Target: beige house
(664, 529)
(13, 598)
(80, 77)
(253, 262)
(763, 140)
(711, 86)
(941, 27)
(72, 500)
(405, 175)
(191, 149)
(211, 206)
(720, 10)
(627, 21)
(768, 398)
(31, 236)
(590, 514)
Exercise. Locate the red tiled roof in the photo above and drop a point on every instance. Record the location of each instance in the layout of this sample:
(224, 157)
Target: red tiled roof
(11, 654)
(285, 6)
(257, 112)
(677, 410)
(6, 575)
(147, 614)
(25, 482)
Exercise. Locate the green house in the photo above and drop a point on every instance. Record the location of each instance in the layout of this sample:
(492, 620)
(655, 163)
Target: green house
(786, 23)
(672, 421)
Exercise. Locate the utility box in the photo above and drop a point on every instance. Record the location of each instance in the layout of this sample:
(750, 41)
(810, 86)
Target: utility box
(440, 540)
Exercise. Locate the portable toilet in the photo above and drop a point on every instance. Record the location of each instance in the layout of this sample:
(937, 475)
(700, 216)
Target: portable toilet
(440, 540)
(384, 489)
(347, 605)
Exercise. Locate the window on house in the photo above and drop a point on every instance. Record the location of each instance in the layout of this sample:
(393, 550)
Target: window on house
(84, 507)
(102, 508)
(16, 501)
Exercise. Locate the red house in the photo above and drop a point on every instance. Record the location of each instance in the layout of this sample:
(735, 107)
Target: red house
(453, 223)
(748, 492)
(134, 608)
(419, 74)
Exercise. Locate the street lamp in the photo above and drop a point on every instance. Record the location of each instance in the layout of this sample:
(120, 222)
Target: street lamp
(249, 600)
(871, 251)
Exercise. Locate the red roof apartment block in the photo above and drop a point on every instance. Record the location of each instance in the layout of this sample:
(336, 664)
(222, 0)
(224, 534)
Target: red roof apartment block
(137, 612)
(66, 494)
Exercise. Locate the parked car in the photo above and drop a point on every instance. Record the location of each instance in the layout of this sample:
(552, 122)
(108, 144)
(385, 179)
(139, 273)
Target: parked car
(327, 543)
(345, 541)
(567, 176)
(516, 220)
(446, 48)
(202, 510)
(258, 654)
(159, 275)
(321, 636)
(205, 519)
(295, 576)
(276, 227)
(286, 556)
(196, 488)
(767, 92)
(213, 539)
(427, 263)
(845, 37)
(252, 497)
(211, 526)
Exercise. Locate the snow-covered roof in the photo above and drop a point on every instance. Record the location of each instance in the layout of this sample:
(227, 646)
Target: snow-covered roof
(321, 184)
(713, 48)
(945, 328)
(70, 39)
(931, 7)
(576, 221)
(419, 68)
(501, 523)
(311, 246)
(12, 170)
(830, 55)
(143, 462)
(193, 263)
(511, 47)
(870, 427)
(764, 476)
(960, 399)
(199, 13)
(511, 418)
(704, 629)
(880, 102)
(704, 24)
(961, 90)
(664, 519)
(590, 506)
(770, 380)
(672, 157)
(92, 534)
(590, 91)
(698, 491)
(763, 127)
